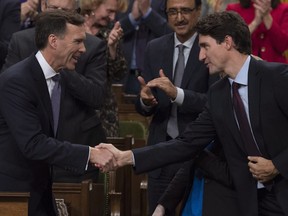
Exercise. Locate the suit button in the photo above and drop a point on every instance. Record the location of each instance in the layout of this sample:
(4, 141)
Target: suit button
(262, 36)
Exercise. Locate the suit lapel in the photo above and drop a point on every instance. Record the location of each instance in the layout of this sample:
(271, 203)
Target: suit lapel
(192, 63)
(228, 113)
(41, 87)
(168, 52)
(254, 84)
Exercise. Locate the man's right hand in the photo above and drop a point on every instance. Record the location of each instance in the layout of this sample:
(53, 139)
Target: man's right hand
(146, 93)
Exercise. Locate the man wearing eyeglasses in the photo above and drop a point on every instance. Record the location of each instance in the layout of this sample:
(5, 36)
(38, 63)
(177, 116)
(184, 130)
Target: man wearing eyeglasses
(84, 89)
(172, 103)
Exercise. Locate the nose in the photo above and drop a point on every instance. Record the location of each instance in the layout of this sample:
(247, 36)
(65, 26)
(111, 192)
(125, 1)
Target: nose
(112, 16)
(82, 48)
(179, 16)
(202, 54)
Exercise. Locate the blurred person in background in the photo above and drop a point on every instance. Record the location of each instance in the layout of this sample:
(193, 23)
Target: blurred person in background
(268, 24)
(9, 23)
(100, 21)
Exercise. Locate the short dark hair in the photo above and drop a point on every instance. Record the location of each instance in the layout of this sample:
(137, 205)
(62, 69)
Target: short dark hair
(54, 22)
(219, 25)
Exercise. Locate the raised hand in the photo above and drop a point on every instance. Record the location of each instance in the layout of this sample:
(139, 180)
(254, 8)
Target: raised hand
(113, 39)
(164, 84)
(146, 93)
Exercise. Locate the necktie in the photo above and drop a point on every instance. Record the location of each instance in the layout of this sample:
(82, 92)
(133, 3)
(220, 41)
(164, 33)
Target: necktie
(244, 127)
(172, 126)
(55, 101)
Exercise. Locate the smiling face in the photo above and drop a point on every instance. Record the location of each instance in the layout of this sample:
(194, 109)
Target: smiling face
(213, 54)
(105, 13)
(68, 48)
(67, 5)
(182, 17)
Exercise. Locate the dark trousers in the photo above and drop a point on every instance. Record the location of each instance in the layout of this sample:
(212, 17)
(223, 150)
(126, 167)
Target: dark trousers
(268, 204)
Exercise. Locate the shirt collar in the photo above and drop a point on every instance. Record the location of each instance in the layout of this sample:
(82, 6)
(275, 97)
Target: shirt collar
(189, 43)
(46, 68)
(242, 76)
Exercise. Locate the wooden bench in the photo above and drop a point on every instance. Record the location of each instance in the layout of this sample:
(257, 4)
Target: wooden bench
(82, 199)
(14, 203)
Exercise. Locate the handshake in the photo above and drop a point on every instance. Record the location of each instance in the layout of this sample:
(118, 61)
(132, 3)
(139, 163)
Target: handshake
(108, 158)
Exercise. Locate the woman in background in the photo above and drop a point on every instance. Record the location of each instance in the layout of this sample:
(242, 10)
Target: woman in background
(100, 17)
(268, 24)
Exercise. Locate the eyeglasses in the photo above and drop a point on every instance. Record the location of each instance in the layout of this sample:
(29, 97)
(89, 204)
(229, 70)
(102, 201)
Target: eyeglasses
(173, 12)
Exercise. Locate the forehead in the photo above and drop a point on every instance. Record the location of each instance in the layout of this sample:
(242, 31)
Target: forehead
(180, 3)
(110, 3)
(74, 31)
(68, 4)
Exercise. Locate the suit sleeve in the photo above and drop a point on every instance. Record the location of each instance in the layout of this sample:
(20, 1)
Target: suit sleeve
(197, 135)
(21, 110)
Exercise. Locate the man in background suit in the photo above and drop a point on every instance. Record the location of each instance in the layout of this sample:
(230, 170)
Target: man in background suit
(27, 126)
(189, 96)
(260, 177)
(143, 21)
(9, 23)
(83, 93)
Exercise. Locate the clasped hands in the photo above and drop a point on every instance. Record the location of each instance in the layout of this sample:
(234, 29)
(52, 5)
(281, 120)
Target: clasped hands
(108, 158)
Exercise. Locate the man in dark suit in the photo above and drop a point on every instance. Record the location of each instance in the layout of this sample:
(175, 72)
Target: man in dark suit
(27, 126)
(144, 20)
(83, 93)
(189, 96)
(260, 177)
(9, 23)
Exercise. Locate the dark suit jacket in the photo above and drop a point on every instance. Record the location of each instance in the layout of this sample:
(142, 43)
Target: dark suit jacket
(219, 196)
(9, 23)
(82, 93)
(268, 109)
(195, 83)
(28, 148)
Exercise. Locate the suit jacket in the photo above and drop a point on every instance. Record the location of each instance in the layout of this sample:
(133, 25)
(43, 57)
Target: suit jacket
(28, 148)
(268, 111)
(82, 93)
(9, 23)
(195, 83)
(219, 196)
(267, 44)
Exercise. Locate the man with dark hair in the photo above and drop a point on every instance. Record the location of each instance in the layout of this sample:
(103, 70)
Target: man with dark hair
(174, 97)
(84, 89)
(28, 117)
(247, 110)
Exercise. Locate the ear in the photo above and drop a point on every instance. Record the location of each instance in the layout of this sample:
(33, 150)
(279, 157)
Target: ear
(229, 43)
(52, 41)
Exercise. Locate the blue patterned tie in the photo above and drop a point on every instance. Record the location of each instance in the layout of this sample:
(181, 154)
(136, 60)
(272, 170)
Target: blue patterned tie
(55, 101)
